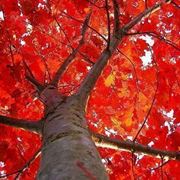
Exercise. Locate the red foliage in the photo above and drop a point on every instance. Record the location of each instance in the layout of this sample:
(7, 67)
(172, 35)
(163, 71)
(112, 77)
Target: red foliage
(40, 33)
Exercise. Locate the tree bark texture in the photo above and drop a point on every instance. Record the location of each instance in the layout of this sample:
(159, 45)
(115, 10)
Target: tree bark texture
(68, 151)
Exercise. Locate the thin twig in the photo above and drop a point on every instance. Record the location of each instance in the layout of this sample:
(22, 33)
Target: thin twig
(94, 4)
(71, 57)
(10, 48)
(161, 165)
(158, 36)
(18, 172)
(176, 5)
(77, 20)
(66, 36)
(86, 58)
(154, 97)
(134, 69)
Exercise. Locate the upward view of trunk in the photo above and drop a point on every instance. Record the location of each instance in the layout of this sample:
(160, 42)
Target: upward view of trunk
(68, 151)
(69, 147)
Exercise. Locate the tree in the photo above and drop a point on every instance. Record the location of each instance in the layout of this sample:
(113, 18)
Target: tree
(75, 73)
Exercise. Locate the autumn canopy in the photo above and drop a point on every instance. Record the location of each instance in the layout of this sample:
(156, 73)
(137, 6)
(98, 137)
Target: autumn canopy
(136, 98)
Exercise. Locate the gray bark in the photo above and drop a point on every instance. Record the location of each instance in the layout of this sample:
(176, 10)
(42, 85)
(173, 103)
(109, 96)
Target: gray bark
(68, 151)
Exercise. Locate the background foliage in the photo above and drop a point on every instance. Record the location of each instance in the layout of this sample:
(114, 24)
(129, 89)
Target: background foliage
(140, 87)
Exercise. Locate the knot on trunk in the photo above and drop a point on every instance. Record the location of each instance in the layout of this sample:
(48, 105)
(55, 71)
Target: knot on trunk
(51, 98)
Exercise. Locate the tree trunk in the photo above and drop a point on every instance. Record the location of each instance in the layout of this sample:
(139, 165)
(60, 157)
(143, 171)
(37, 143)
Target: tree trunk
(68, 151)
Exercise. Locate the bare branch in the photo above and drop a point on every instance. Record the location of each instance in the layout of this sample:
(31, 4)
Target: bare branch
(71, 57)
(34, 126)
(106, 142)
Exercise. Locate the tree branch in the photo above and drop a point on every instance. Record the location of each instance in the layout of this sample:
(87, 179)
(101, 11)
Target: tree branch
(65, 35)
(35, 83)
(116, 17)
(34, 126)
(30, 77)
(108, 23)
(87, 59)
(106, 142)
(71, 57)
(145, 13)
(94, 30)
(89, 82)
